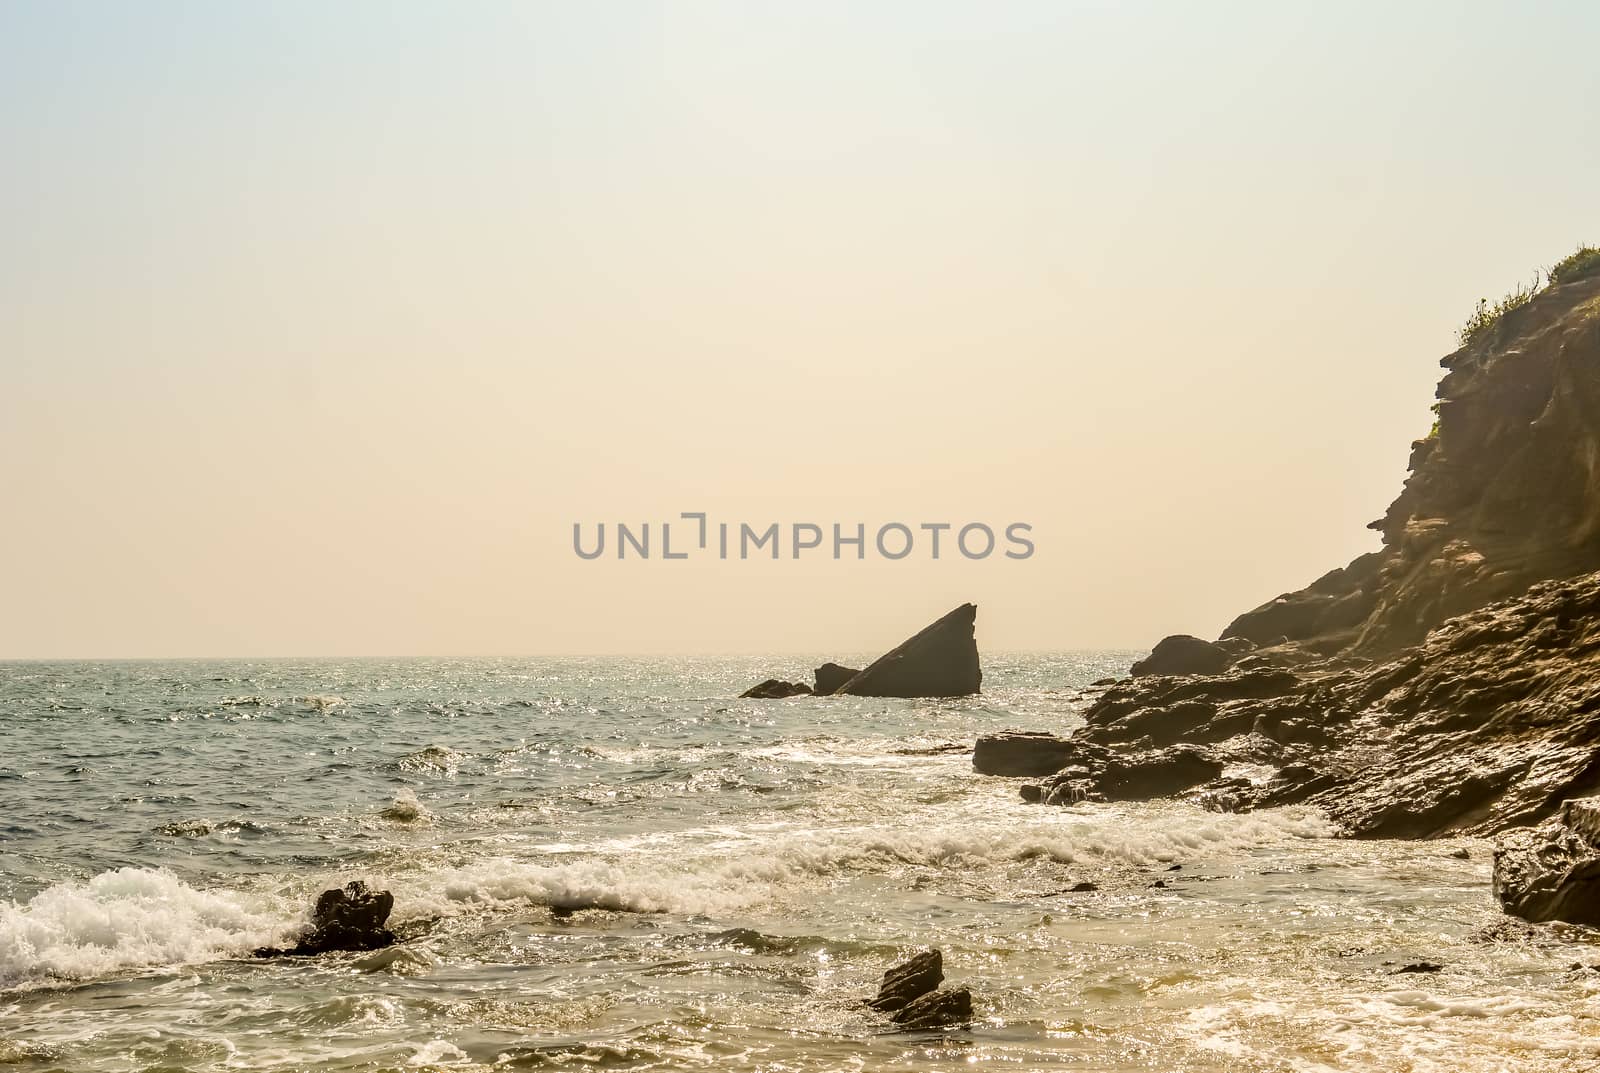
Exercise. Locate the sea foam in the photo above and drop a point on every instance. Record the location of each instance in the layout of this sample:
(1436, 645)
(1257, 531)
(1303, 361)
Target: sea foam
(132, 918)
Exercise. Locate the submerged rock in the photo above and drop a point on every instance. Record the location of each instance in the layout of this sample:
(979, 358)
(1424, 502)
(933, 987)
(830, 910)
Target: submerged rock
(939, 661)
(1021, 753)
(352, 917)
(1183, 654)
(830, 676)
(775, 689)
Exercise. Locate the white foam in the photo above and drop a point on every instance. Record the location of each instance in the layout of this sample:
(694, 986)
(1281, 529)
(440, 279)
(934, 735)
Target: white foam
(131, 918)
(438, 1053)
(712, 870)
(405, 808)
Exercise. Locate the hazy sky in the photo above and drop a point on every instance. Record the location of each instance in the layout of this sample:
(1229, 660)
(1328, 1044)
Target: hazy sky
(321, 324)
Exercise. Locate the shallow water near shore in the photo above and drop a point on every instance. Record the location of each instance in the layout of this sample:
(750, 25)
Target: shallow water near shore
(610, 864)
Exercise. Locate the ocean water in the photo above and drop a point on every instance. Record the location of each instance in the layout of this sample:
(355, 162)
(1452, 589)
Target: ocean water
(612, 864)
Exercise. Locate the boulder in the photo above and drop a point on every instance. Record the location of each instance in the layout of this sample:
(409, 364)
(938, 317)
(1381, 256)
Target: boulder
(351, 917)
(1552, 872)
(1096, 772)
(830, 676)
(1019, 753)
(775, 689)
(937, 1009)
(1183, 654)
(907, 982)
(940, 661)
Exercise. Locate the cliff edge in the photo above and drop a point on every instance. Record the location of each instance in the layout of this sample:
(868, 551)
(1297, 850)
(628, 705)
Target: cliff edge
(1504, 493)
(1447, 683)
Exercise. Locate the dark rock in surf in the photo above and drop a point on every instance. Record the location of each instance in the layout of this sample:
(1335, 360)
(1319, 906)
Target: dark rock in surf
(937, 1009)
(939, 661)
(907, 982)
(352, 917)
(1183, 654)
(1097, 773)
(1027, 753)
(830, 676)
(774, 689)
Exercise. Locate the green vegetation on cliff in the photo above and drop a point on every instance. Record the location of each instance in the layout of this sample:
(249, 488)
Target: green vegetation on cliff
(1580, 265)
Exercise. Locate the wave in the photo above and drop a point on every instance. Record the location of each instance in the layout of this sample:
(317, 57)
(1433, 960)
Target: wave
(132, 918)
(405, 808)
(751, 868)
(137, 918)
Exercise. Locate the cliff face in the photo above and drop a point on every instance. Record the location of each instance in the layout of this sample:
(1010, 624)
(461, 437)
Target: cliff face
(1447, 683)
(1505, 493)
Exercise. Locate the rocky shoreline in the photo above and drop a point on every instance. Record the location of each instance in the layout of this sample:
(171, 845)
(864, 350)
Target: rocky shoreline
(1444, 685)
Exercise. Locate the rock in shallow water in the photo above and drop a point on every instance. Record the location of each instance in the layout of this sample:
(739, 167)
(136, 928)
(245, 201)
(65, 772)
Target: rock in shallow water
(939, 661)
(937, 1009)
(352, 917)
(775, 689)
(830, 676)
(905, 983)
(910, 994)
(1021, 753)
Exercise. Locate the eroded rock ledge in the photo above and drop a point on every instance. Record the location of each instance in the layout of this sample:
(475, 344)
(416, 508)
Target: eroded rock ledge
(1489, 724)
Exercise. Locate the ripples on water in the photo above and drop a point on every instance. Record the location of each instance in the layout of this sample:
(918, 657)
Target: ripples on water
(609, 864)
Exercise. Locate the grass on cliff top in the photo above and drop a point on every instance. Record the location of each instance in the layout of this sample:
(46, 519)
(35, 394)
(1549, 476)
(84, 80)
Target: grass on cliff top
(1580, 265)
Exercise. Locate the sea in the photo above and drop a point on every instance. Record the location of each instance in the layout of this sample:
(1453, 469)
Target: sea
(614, 864)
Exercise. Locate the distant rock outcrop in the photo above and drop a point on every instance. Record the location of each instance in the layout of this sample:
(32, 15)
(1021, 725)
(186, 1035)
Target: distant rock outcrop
(1183, 654)
(830, 676)
(351, 917)
(939, 661)
(774, 689)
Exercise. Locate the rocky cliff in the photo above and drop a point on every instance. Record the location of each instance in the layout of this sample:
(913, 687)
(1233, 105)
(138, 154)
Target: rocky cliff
(1504, 493)
(1449, 682)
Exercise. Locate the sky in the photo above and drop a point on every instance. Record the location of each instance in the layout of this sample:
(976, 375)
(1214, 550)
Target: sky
(321, 325)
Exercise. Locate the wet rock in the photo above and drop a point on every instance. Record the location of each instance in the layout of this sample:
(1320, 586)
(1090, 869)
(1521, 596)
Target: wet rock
(1182, 654)
(1418, 966)
(1551, 872)
(774, 689)
(906, 982)
(352, 917)
(1020, 753)
(830, 676)
(1100, 682)
(1157, 774)
(1486, 726)
(1098, 773)
(1083, 887)
(937, 1009)
(939, 661)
